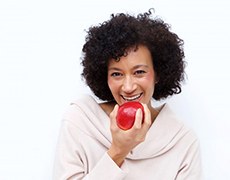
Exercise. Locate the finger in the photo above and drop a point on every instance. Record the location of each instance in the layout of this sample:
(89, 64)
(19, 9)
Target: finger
(138, 119)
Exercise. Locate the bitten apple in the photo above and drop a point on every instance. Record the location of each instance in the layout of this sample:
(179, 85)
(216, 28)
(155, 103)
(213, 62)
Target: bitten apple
(127, 113)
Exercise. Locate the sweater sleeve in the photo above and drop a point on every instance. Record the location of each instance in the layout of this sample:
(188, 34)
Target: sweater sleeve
(191, 168)
(107, 169)
(71, 161)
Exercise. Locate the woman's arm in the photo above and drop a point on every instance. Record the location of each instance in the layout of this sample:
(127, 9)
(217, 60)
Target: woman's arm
(191, 168)
(71, 160)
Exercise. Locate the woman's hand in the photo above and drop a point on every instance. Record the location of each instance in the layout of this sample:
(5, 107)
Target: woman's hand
(124, 141)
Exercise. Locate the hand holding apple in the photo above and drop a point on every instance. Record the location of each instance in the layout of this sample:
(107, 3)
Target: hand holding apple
(127, 113)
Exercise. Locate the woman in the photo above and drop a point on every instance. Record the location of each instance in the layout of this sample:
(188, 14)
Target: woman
(125, 59)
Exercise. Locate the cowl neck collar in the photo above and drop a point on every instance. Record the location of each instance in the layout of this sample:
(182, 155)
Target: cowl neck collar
(164, 133)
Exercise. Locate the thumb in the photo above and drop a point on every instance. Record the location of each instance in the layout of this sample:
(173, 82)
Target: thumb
(138, 119)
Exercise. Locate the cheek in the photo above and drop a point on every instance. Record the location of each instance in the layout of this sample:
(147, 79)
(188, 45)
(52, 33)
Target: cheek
(112, 85)
(150, 78)
(109, 83)
(150, 83)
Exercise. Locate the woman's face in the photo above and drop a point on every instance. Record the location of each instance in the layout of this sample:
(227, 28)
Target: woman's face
(132, 78)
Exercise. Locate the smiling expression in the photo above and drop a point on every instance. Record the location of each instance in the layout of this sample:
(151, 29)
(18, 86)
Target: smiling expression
(132, 78)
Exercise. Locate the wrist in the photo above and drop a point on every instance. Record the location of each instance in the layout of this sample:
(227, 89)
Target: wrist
(117, 156)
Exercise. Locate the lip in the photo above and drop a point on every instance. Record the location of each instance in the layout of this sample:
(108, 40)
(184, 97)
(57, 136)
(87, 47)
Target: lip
(136, 97)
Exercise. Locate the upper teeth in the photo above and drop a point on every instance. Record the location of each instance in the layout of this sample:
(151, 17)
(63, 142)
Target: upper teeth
(132, 98)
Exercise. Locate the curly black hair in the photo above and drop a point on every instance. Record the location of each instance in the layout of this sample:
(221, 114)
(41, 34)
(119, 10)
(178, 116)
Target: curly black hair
(111, 40)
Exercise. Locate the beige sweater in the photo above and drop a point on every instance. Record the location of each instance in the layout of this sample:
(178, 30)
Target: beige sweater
(170, 151)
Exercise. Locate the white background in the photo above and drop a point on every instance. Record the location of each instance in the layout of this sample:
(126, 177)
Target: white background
(40, 50)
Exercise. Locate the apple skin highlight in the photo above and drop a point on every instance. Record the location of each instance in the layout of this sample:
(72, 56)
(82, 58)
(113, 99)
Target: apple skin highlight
(127, 113)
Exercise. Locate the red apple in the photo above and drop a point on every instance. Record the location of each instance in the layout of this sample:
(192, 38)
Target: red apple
(126, 114)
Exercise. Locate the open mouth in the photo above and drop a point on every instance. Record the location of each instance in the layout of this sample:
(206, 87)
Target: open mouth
(132, 98)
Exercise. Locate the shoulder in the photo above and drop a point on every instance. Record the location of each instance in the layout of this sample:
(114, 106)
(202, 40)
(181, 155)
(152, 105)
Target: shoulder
(168, 119)
(84, 100)
(80, 107)
(87, 115)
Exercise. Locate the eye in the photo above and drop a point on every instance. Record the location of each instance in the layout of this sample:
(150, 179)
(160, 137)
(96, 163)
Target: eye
(116, 74)
(139, 72)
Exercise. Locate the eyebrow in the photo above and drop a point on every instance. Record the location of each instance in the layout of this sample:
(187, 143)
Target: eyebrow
(135, 67)
(114, 68)
(140, 65)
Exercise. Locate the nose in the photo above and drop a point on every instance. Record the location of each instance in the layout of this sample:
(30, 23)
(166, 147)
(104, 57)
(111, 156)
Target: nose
(128, 85)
